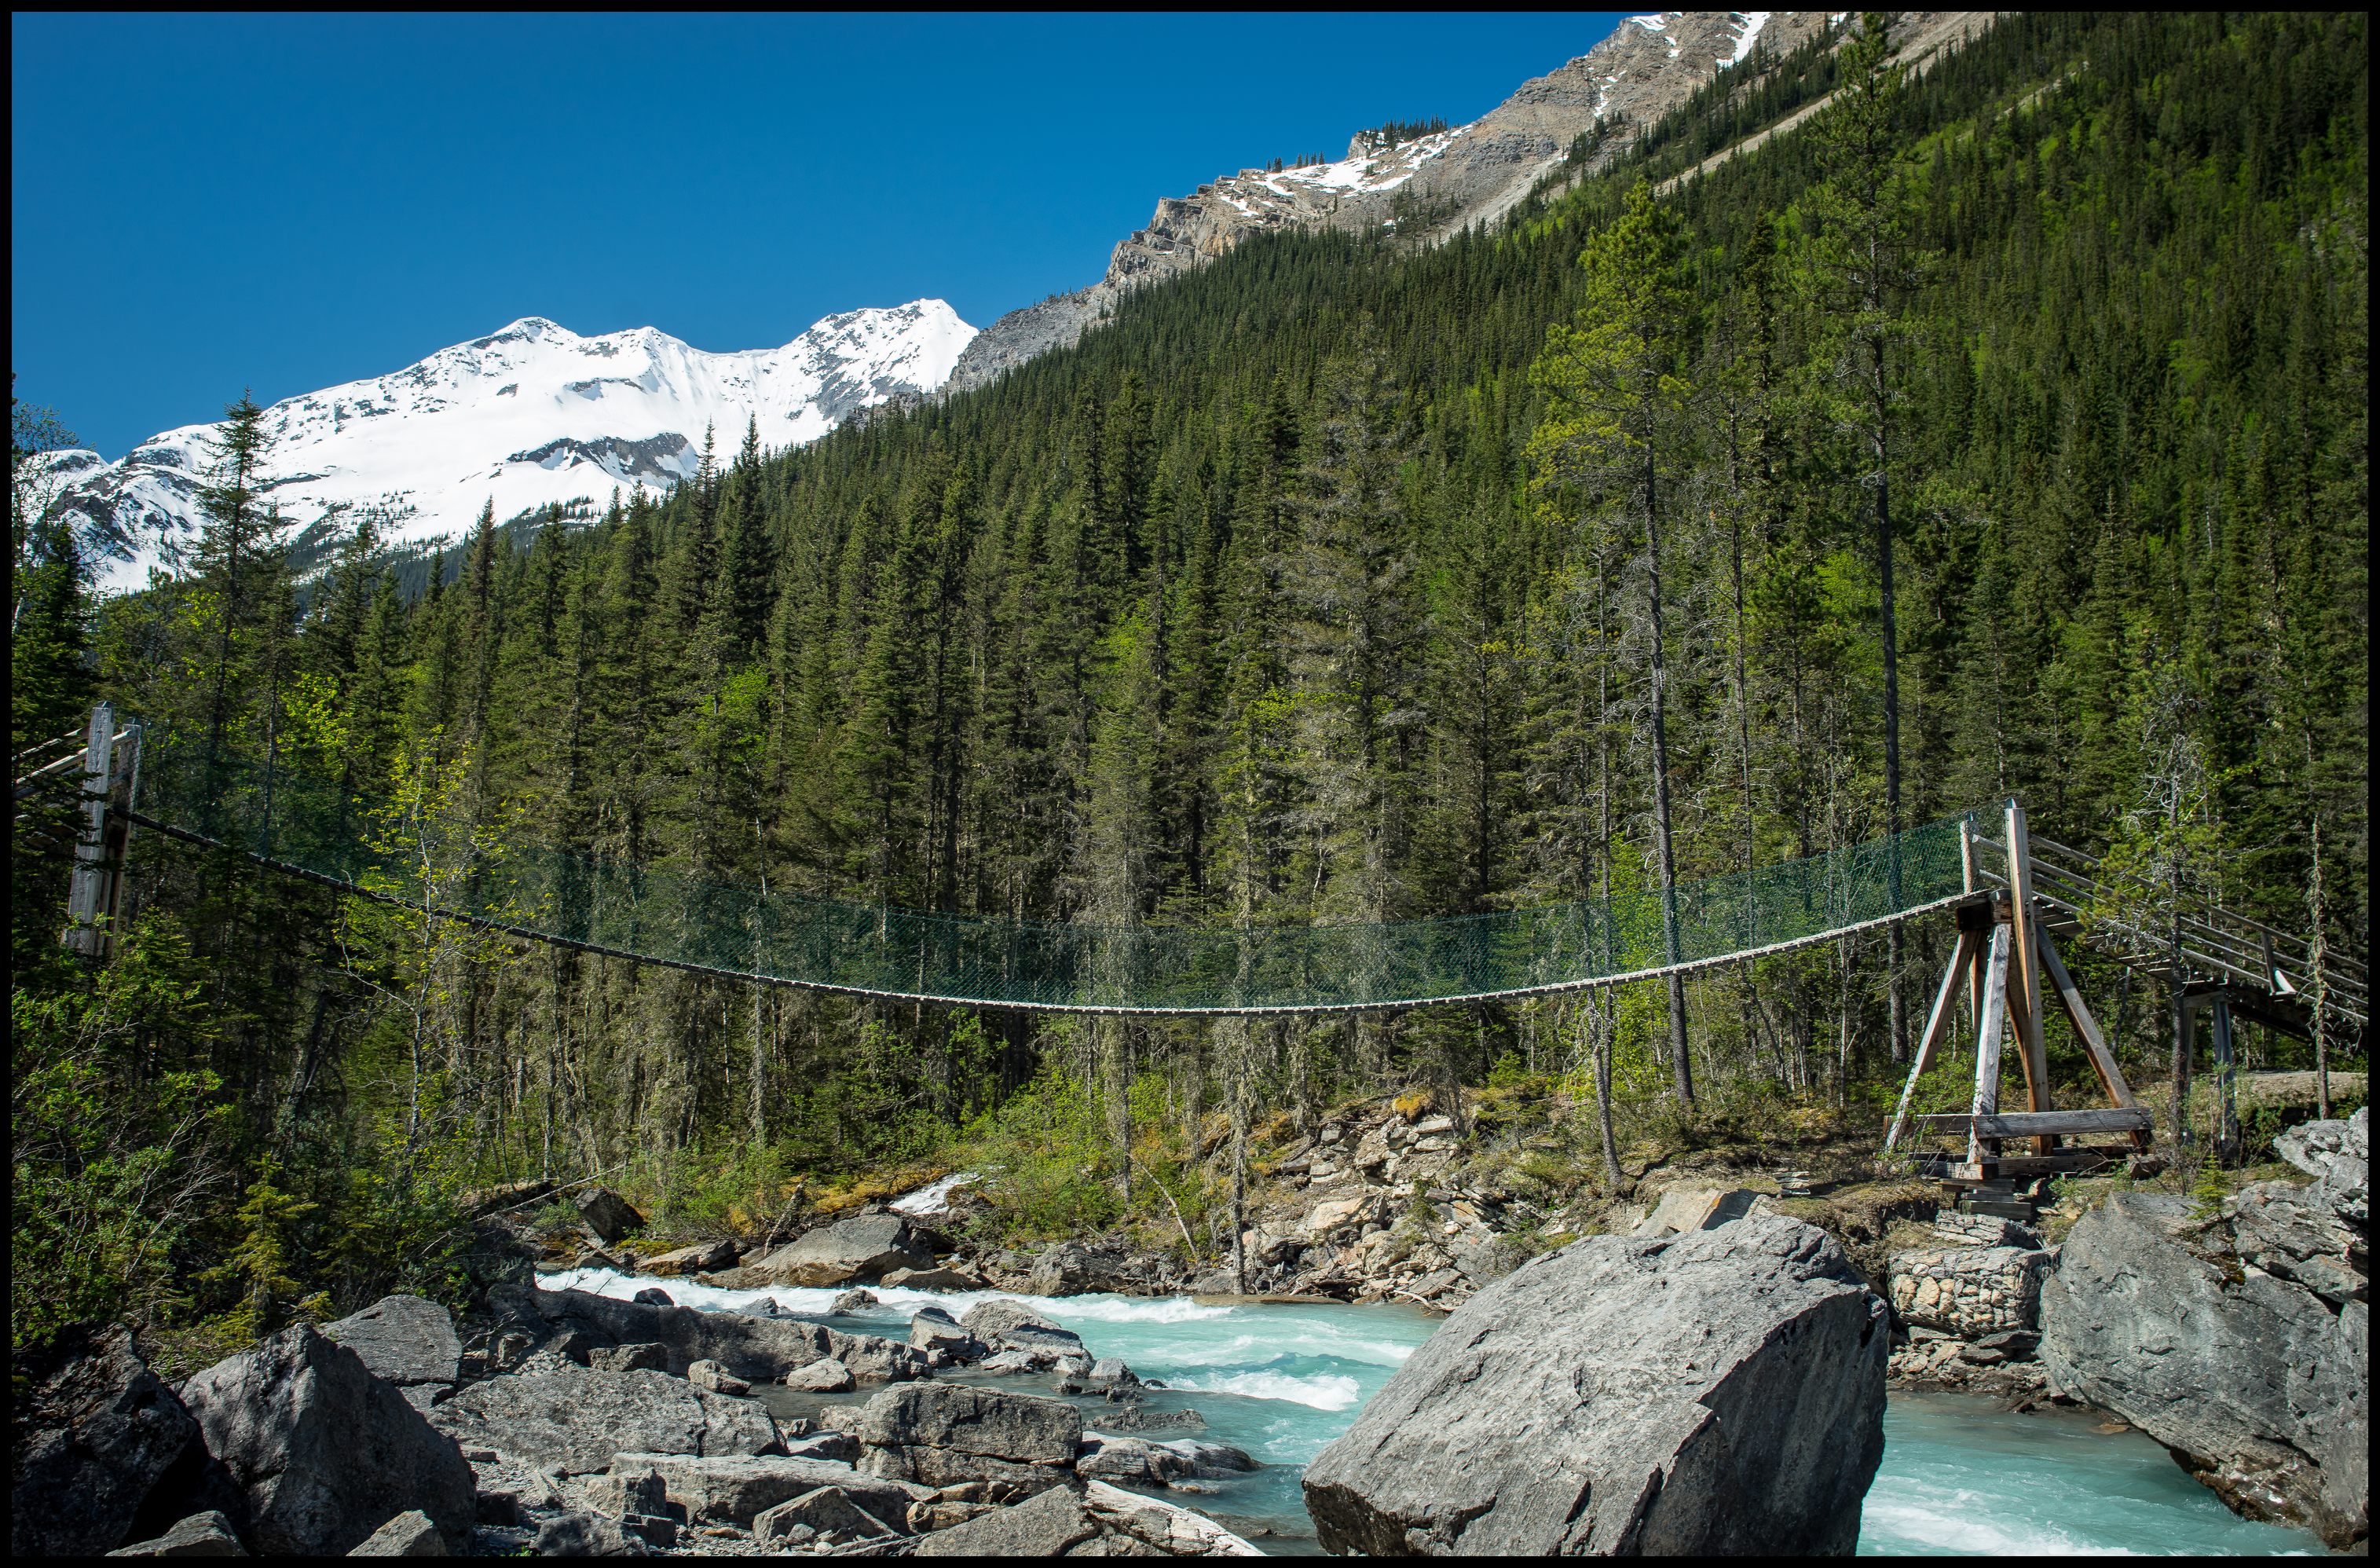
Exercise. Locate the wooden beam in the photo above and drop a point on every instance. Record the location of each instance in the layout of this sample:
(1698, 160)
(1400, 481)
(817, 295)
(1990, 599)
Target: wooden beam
(1936, 1026)
(2033, 1164)
(1987, 1038)
(2026, 1124)
(2103, 1061)
(2024, 989)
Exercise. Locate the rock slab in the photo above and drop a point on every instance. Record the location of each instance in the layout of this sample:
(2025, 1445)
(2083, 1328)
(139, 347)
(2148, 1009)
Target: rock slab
(1716, 1391)
(324, 1451)
(565, 1416)
(405, 1339)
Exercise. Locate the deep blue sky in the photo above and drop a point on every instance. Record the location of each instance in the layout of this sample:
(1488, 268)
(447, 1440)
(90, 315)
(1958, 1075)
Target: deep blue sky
(201, 205)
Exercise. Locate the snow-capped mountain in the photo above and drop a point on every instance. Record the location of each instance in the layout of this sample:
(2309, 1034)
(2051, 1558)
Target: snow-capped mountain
(529, 416)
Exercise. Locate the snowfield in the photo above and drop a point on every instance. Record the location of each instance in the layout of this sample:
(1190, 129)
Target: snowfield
(525, 418)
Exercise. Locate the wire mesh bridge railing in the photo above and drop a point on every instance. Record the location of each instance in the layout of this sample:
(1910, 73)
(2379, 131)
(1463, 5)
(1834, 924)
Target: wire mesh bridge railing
(308, 826)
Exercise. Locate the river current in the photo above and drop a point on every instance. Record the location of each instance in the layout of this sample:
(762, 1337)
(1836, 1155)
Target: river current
(1960, 1476)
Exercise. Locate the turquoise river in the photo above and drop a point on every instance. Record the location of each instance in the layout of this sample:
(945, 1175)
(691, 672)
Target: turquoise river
(1960, 1476)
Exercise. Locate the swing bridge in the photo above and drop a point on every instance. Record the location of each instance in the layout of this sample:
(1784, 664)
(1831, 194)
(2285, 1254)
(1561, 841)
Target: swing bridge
(2011, 899)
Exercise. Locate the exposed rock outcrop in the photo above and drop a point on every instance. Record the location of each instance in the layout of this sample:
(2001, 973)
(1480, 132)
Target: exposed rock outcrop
(104, 1452)
(1716, 1391)
(2255, 1376)
(1435, 184)
(324, 1451)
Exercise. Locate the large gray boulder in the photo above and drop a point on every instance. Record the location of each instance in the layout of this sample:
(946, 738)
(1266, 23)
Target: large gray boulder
(1004, 1323)
(608, 1217)
(753, 1347)
(2256, 1384)
(866, 1247)
(1715, 1393)
(558, 1415)
(405, 1339)
(104, 1452)
(946, 1434)
(324, 1451)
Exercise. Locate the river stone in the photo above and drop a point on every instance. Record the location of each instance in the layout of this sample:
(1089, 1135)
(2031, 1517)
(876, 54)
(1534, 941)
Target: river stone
(1042, 1525)
(1141, 1462)
(737, 1490)
(608, 1215)
(932, 1329)
(826, 1376)
(711, 1375)
(1166, 1527)
(200, 1534)
(2251, 1381)
(760, 1349)
(699, 1258)
(824, 1511)
(930, 1278)
(1005, 1324)
(852, 1301)
(629, 1358)
(408, 1535)
(98, 1436)
(866, 1247)
(944, 1434)
(326, 1452)
(1718, 1391)
(574, 1419)
(405, 1339)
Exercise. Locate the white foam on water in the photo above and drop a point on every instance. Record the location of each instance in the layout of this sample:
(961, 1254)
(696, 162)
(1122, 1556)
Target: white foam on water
(934, 1198)
(1962, 1522)
(1128, 1308)
(1322, 1391)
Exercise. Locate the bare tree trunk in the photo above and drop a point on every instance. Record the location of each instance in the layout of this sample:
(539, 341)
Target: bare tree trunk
(1598, 1027)
(1681, 1064)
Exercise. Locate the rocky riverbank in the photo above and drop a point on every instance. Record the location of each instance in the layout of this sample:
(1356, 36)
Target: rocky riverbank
(581, 1425)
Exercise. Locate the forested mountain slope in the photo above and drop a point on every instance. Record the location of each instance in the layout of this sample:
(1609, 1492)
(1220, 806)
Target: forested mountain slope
(1329, 582)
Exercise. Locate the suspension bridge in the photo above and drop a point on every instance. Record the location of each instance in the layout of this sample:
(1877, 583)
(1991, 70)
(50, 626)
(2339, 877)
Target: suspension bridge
(2012, 896)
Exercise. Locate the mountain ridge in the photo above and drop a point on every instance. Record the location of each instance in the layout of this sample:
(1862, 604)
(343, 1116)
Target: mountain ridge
(529, 416)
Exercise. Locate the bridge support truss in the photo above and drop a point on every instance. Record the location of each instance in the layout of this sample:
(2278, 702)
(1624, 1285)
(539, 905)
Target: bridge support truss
(2003, 955)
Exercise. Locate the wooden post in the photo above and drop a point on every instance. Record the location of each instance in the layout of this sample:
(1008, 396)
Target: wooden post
(2227, 1124)
(1976, 955)
(91, 891)
(1987, 1043)
(1936, 1028)
(2103, 1060)
(2024, 987)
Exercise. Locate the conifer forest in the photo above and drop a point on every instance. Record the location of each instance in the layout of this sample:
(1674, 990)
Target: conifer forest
(2003, 431)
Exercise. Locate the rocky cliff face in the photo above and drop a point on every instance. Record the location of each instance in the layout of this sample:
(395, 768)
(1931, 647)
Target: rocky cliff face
(2239, 1341)
(1432, 185)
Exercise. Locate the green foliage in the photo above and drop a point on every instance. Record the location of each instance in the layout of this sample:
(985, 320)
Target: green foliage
(1315, 584)
(112, 1169)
